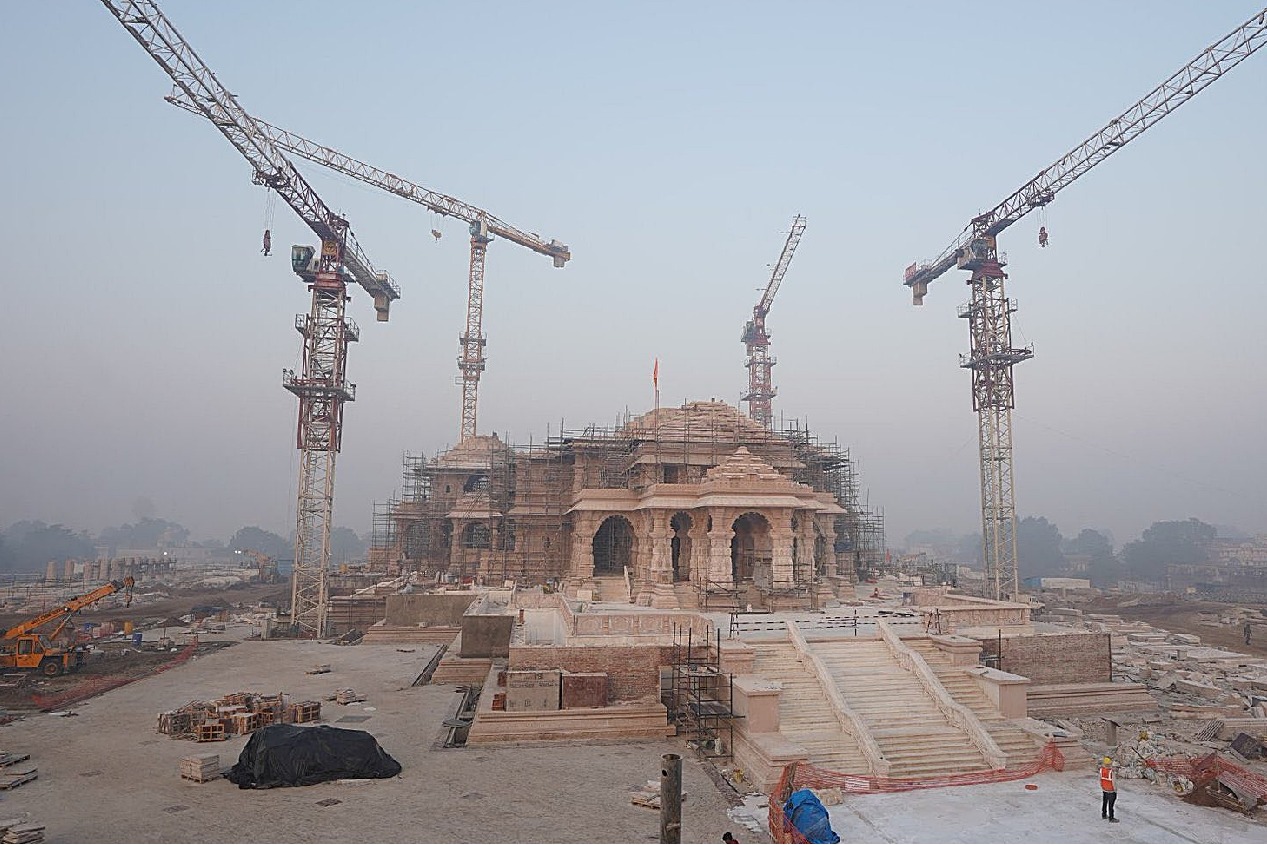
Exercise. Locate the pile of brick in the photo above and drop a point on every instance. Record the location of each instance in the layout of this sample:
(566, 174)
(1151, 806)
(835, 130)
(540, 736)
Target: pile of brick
(235, 714)
(200, 767)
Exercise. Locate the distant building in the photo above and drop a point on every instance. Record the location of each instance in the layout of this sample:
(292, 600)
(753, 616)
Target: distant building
(1058, 583)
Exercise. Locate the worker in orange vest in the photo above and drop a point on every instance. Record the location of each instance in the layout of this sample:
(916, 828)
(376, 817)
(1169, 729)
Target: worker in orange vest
(1108, 785)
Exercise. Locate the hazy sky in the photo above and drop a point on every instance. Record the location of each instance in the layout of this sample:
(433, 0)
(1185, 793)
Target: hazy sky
(669, 144)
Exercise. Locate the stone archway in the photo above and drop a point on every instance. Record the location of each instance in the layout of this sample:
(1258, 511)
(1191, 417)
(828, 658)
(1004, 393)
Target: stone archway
(751, 549)
(680, 544)
(613, 546)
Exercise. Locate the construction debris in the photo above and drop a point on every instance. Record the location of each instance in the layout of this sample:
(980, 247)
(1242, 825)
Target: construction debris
(649, 795)
(24, 833)
(319, 669)
(236, 714)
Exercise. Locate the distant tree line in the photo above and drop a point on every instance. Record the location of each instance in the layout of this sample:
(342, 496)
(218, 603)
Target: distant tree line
(1042, 551)
(29, 545)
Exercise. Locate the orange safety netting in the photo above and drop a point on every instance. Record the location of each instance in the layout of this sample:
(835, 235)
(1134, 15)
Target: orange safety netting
(1210, 767)
(803, 775)
(97, 686)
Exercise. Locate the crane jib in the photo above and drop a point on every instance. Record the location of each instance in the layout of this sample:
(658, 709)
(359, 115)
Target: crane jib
(1181, 86)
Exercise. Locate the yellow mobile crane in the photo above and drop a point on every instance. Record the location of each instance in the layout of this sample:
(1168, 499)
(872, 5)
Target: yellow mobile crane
(23, 647)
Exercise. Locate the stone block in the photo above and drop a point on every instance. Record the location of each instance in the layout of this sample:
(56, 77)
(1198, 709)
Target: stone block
(1198, 689)
(526, 690)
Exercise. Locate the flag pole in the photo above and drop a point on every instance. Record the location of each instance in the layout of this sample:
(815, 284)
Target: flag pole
(655, 381)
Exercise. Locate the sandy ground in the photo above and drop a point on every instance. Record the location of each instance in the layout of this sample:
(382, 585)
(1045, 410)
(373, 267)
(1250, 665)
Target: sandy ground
(106, 776)
(1064, 808)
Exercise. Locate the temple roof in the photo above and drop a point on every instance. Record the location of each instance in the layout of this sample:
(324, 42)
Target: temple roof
(710, 420)
(745, 466)
(474, 452)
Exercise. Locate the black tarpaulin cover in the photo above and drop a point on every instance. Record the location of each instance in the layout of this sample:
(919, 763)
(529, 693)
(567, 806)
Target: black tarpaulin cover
(288, 755)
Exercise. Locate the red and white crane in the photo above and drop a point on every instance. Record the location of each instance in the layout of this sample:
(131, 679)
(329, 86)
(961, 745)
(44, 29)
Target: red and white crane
(989, 311)
(761, 390)
(321, 386)
(483, 228)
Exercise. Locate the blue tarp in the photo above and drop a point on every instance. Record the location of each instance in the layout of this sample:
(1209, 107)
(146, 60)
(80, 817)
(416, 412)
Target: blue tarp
(807, 814)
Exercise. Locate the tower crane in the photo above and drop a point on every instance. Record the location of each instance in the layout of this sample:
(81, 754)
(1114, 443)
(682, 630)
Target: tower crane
(321, 386)
(989, 311)
(760, 387)
(483, 227)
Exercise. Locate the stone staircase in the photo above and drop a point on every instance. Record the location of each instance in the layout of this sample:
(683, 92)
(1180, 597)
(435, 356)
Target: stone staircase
(611, 588)
(911, 731)
(687, 595)
(1020, 747)
(806, 715)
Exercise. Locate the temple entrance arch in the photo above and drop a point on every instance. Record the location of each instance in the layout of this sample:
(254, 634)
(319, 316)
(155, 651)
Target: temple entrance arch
(681, 546)
(613, 546)
(751, 549)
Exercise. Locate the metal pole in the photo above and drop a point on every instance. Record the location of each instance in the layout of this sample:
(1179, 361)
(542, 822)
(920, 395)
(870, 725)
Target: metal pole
(671, 798)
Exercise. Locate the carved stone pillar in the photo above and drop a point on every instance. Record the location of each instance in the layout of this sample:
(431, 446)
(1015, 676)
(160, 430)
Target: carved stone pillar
(660, 536)
(641, 573)
(701, 549)
(781, 553)
(582, 568)
(827, 528)
(720, 573)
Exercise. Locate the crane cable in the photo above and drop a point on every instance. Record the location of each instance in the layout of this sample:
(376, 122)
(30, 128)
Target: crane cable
(270, 208)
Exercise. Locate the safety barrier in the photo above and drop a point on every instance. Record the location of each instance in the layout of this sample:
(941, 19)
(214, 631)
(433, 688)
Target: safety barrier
(803, 775)
(89, 689)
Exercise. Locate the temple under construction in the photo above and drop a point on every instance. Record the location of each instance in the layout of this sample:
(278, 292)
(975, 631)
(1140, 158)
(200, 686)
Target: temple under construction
(697, 506)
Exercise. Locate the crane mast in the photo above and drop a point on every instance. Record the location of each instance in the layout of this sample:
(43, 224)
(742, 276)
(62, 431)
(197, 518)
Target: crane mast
(991, 352)
(321, 386)
(483, 228)
(761, 390)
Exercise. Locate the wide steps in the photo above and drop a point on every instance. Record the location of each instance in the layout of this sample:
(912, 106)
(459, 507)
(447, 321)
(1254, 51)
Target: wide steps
(1019, 746)
(806, 716)
(911, 730)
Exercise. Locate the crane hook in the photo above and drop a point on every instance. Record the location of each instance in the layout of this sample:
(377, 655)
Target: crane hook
(1042, 236)
(268, 243)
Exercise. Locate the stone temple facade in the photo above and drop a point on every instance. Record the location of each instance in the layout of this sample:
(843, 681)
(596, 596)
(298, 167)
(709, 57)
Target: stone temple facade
(695, 506)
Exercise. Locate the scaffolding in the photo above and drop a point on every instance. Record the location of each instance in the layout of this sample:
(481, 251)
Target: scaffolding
(829, 468)
(701, 696)
(520, 494)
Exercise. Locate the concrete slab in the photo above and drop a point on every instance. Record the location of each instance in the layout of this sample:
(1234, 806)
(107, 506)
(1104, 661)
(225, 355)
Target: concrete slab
(1064, 808)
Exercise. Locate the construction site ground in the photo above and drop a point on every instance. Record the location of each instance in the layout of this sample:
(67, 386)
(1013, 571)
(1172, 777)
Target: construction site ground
(105, 775)
(1065, 807)
(1183, 616)
(161, 601)
(107, 661)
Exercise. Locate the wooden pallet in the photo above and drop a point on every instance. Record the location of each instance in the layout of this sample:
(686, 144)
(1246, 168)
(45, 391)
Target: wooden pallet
(211, 732)
(15, 779)
(8, 758)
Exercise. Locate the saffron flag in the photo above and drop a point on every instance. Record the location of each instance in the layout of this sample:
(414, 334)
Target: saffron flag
(655, 373)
